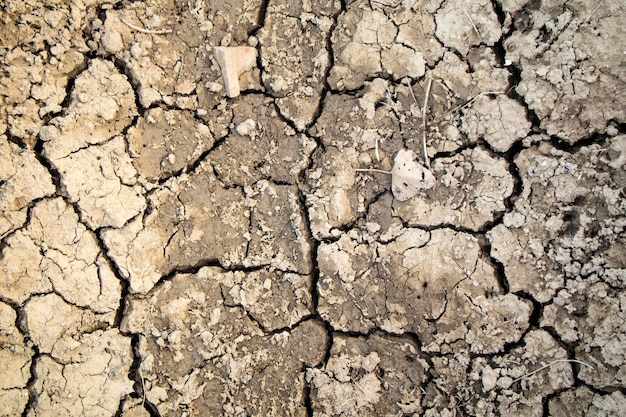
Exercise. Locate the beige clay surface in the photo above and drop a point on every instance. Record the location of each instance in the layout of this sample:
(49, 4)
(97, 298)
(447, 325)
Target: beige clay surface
(183, 232)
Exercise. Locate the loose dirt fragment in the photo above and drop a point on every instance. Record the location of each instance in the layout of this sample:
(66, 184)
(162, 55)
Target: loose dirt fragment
(365, 44)
(57, 252)
(89, 378)
(568, 222)
(196, 348)
(500, 121)
(164, 142)
(22, 180)
(270, 149)
(15, 361)
(463, 24)
(572, 73)
(434, 284)
(103, 182)
(294, 56)
(372, 376)
(197, 220)
(502, 396)
(102, 104)
(470, 191)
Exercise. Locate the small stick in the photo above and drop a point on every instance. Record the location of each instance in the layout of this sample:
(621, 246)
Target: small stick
(142, 30)
(412, 93)
(426, 160)
(595, 9)
(380, 171)
(143, 388)
(376, 151)
(484, 93)
(473, 25)
(552, 363)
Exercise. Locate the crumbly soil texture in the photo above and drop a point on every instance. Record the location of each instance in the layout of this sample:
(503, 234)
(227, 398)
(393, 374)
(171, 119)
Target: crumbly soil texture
(167, 250)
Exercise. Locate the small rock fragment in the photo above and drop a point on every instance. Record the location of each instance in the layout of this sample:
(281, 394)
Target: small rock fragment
(246, 128)
(233, 62)
(408, 176)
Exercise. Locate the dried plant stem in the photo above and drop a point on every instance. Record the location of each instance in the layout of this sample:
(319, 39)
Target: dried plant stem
(552, 363)
(148, 31)
(143, 388)
(380, 171)
(412, 94)
(595, 9)
(376, 151)
(426, 160)
(473, 25)
(484, 93)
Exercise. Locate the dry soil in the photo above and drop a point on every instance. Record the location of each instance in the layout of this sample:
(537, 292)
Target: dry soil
(168, 251)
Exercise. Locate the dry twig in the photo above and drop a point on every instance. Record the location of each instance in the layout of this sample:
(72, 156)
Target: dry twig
(142, 30)
(595, 9)
(473, 25)
(380, 171)
(484, 93)
(552, 363)
(426, 160)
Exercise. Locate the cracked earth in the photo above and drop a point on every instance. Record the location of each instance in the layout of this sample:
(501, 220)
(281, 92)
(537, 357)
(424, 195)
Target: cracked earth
(169, 251)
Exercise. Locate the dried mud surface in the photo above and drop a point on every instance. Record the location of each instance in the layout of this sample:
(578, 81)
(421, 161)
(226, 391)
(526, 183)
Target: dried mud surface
(168, 251)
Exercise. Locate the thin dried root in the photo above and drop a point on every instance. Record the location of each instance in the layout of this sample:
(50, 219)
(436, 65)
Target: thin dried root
(148, 31)
(380, 171)
(552, 363)
(424, 151)
(411, 91)
(595, 9)
(473, 25)
(484, 93)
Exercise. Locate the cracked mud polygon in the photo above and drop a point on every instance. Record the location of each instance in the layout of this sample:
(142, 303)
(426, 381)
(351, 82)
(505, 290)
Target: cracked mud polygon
(168, 251)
